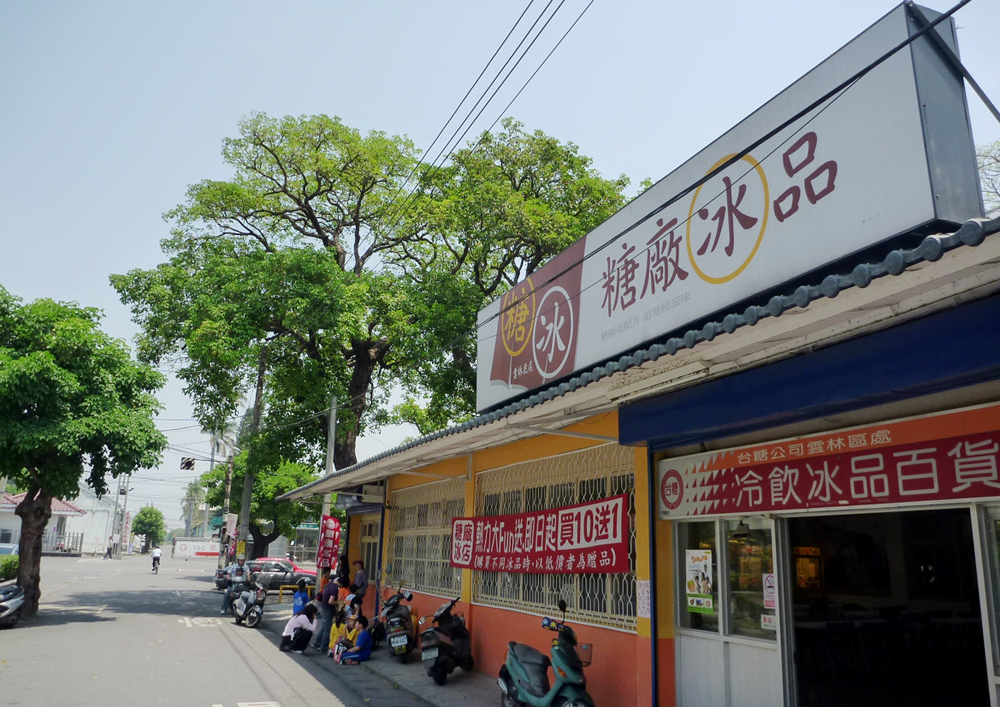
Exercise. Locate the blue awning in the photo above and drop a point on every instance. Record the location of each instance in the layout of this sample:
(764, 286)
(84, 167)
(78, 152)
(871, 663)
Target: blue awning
(950, 349)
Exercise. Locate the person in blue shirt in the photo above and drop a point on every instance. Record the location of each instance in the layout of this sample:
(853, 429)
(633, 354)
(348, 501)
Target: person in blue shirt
(362, 649)
(301, 598)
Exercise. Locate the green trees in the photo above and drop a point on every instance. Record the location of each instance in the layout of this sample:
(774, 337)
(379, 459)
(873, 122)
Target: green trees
(501, 209)
(72, 402)
(291, 254)
(311, 266)
(278, 518)
(149, 522)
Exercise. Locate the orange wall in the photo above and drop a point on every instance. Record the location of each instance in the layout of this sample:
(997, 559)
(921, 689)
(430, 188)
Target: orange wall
(611, 678)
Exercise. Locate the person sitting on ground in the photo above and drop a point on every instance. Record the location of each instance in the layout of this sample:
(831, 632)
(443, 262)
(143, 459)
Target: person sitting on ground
(299, 631)
(344, 636)
(300, 598)
(362, 649)
(352, 602)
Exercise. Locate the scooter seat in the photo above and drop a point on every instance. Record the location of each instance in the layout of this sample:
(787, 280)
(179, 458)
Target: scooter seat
(527, 655)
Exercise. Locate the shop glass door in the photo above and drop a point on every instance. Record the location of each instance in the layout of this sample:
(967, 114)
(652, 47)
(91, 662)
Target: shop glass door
(728, 642)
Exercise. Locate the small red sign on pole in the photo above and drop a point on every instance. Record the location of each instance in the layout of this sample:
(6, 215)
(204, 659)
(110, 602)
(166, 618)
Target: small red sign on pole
(329, 541)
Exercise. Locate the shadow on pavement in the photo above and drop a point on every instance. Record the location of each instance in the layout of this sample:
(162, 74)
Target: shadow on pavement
(170, 602)
(51, 616)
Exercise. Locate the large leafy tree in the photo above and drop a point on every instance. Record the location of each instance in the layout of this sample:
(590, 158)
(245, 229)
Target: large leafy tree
(268, 519)
(290, 254)
(73, 403)
(149, 522)
(502, 208)
(312, 252)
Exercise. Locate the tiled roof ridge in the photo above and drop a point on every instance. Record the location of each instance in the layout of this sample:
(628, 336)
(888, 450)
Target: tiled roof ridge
(972, 233)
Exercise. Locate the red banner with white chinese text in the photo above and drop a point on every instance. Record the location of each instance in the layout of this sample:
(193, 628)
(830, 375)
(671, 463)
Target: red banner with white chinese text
(329, 542)
(585, 538)
(947, 457)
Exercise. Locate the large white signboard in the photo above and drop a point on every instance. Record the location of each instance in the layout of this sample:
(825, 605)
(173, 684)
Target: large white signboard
(863, 167)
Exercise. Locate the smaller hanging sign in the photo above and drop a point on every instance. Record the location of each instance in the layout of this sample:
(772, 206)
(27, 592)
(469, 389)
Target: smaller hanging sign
(699, 581)
(329, 541)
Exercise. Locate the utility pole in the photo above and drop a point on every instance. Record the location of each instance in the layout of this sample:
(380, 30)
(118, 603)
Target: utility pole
(121, 528)
(248, 476)
(211, 465)
(113, 521)
(331, 441)
(225, 512)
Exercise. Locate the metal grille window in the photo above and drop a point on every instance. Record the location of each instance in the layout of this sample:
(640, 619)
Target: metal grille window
(588, 475)
(419, 537)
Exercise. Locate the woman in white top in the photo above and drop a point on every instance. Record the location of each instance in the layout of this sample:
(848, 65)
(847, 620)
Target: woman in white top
(299, 630)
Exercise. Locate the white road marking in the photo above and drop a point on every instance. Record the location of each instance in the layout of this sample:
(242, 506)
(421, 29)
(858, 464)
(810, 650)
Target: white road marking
(206, 622)
(200, 621)
(257, 704)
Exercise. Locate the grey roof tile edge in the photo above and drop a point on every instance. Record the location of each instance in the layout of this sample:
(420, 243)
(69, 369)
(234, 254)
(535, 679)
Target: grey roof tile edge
(972, 233)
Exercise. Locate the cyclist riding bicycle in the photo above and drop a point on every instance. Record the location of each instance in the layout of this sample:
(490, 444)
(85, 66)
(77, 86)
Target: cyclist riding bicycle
(157, 553)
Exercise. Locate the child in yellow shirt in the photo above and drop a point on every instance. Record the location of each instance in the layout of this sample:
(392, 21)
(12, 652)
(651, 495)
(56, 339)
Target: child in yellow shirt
(343, 636)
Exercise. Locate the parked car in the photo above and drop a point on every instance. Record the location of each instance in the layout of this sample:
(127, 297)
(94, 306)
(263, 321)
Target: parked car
(272, 572)
(8, 548)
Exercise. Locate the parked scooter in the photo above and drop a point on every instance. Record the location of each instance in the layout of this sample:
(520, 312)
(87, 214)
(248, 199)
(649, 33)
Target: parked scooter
(401, 636)
(11, 600)
(524, 678)
(447, 645)
(249, 606)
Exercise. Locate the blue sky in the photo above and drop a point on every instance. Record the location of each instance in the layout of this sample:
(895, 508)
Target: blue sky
(108, 110)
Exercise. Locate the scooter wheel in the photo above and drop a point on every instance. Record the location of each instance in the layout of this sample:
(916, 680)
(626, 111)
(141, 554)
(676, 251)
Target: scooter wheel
(238, 620)
(438, 674)
(253, 619)
(469, 665)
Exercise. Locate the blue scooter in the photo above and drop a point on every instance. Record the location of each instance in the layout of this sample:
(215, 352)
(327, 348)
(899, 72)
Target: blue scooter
(524, 677)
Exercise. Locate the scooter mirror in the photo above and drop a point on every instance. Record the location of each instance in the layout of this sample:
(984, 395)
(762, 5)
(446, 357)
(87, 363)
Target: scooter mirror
(562, 607)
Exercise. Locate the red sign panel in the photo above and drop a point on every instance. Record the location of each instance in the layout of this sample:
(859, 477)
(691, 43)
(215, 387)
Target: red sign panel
(329, 542)
(585, 538)
(939, 458)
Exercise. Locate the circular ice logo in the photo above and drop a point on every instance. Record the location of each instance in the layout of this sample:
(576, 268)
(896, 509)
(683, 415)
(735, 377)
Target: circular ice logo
(552, 336)
(672, 489)
(727, 220)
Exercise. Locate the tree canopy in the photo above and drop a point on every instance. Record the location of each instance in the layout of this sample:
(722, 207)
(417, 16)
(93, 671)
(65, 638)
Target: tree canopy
(280, 518)
(73, 403)
(311, 250)
(149, 522)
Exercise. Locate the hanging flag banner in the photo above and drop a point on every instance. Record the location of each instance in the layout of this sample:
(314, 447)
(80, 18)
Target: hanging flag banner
(952, 456)
(329, 542)
(586, 538)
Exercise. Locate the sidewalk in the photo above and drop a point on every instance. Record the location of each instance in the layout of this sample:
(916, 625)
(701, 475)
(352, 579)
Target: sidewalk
(462, 689)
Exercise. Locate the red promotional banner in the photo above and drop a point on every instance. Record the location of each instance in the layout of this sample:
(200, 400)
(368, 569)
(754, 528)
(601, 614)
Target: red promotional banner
(585, 538)
(329, 542)
(946, 457)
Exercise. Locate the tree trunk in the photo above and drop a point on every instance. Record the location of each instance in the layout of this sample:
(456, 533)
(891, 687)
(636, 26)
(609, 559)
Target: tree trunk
(35, 511)
(366, 356)
(262, 542)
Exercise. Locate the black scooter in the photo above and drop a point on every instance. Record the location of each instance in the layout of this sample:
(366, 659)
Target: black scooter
(399, 629)
(448, 644)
